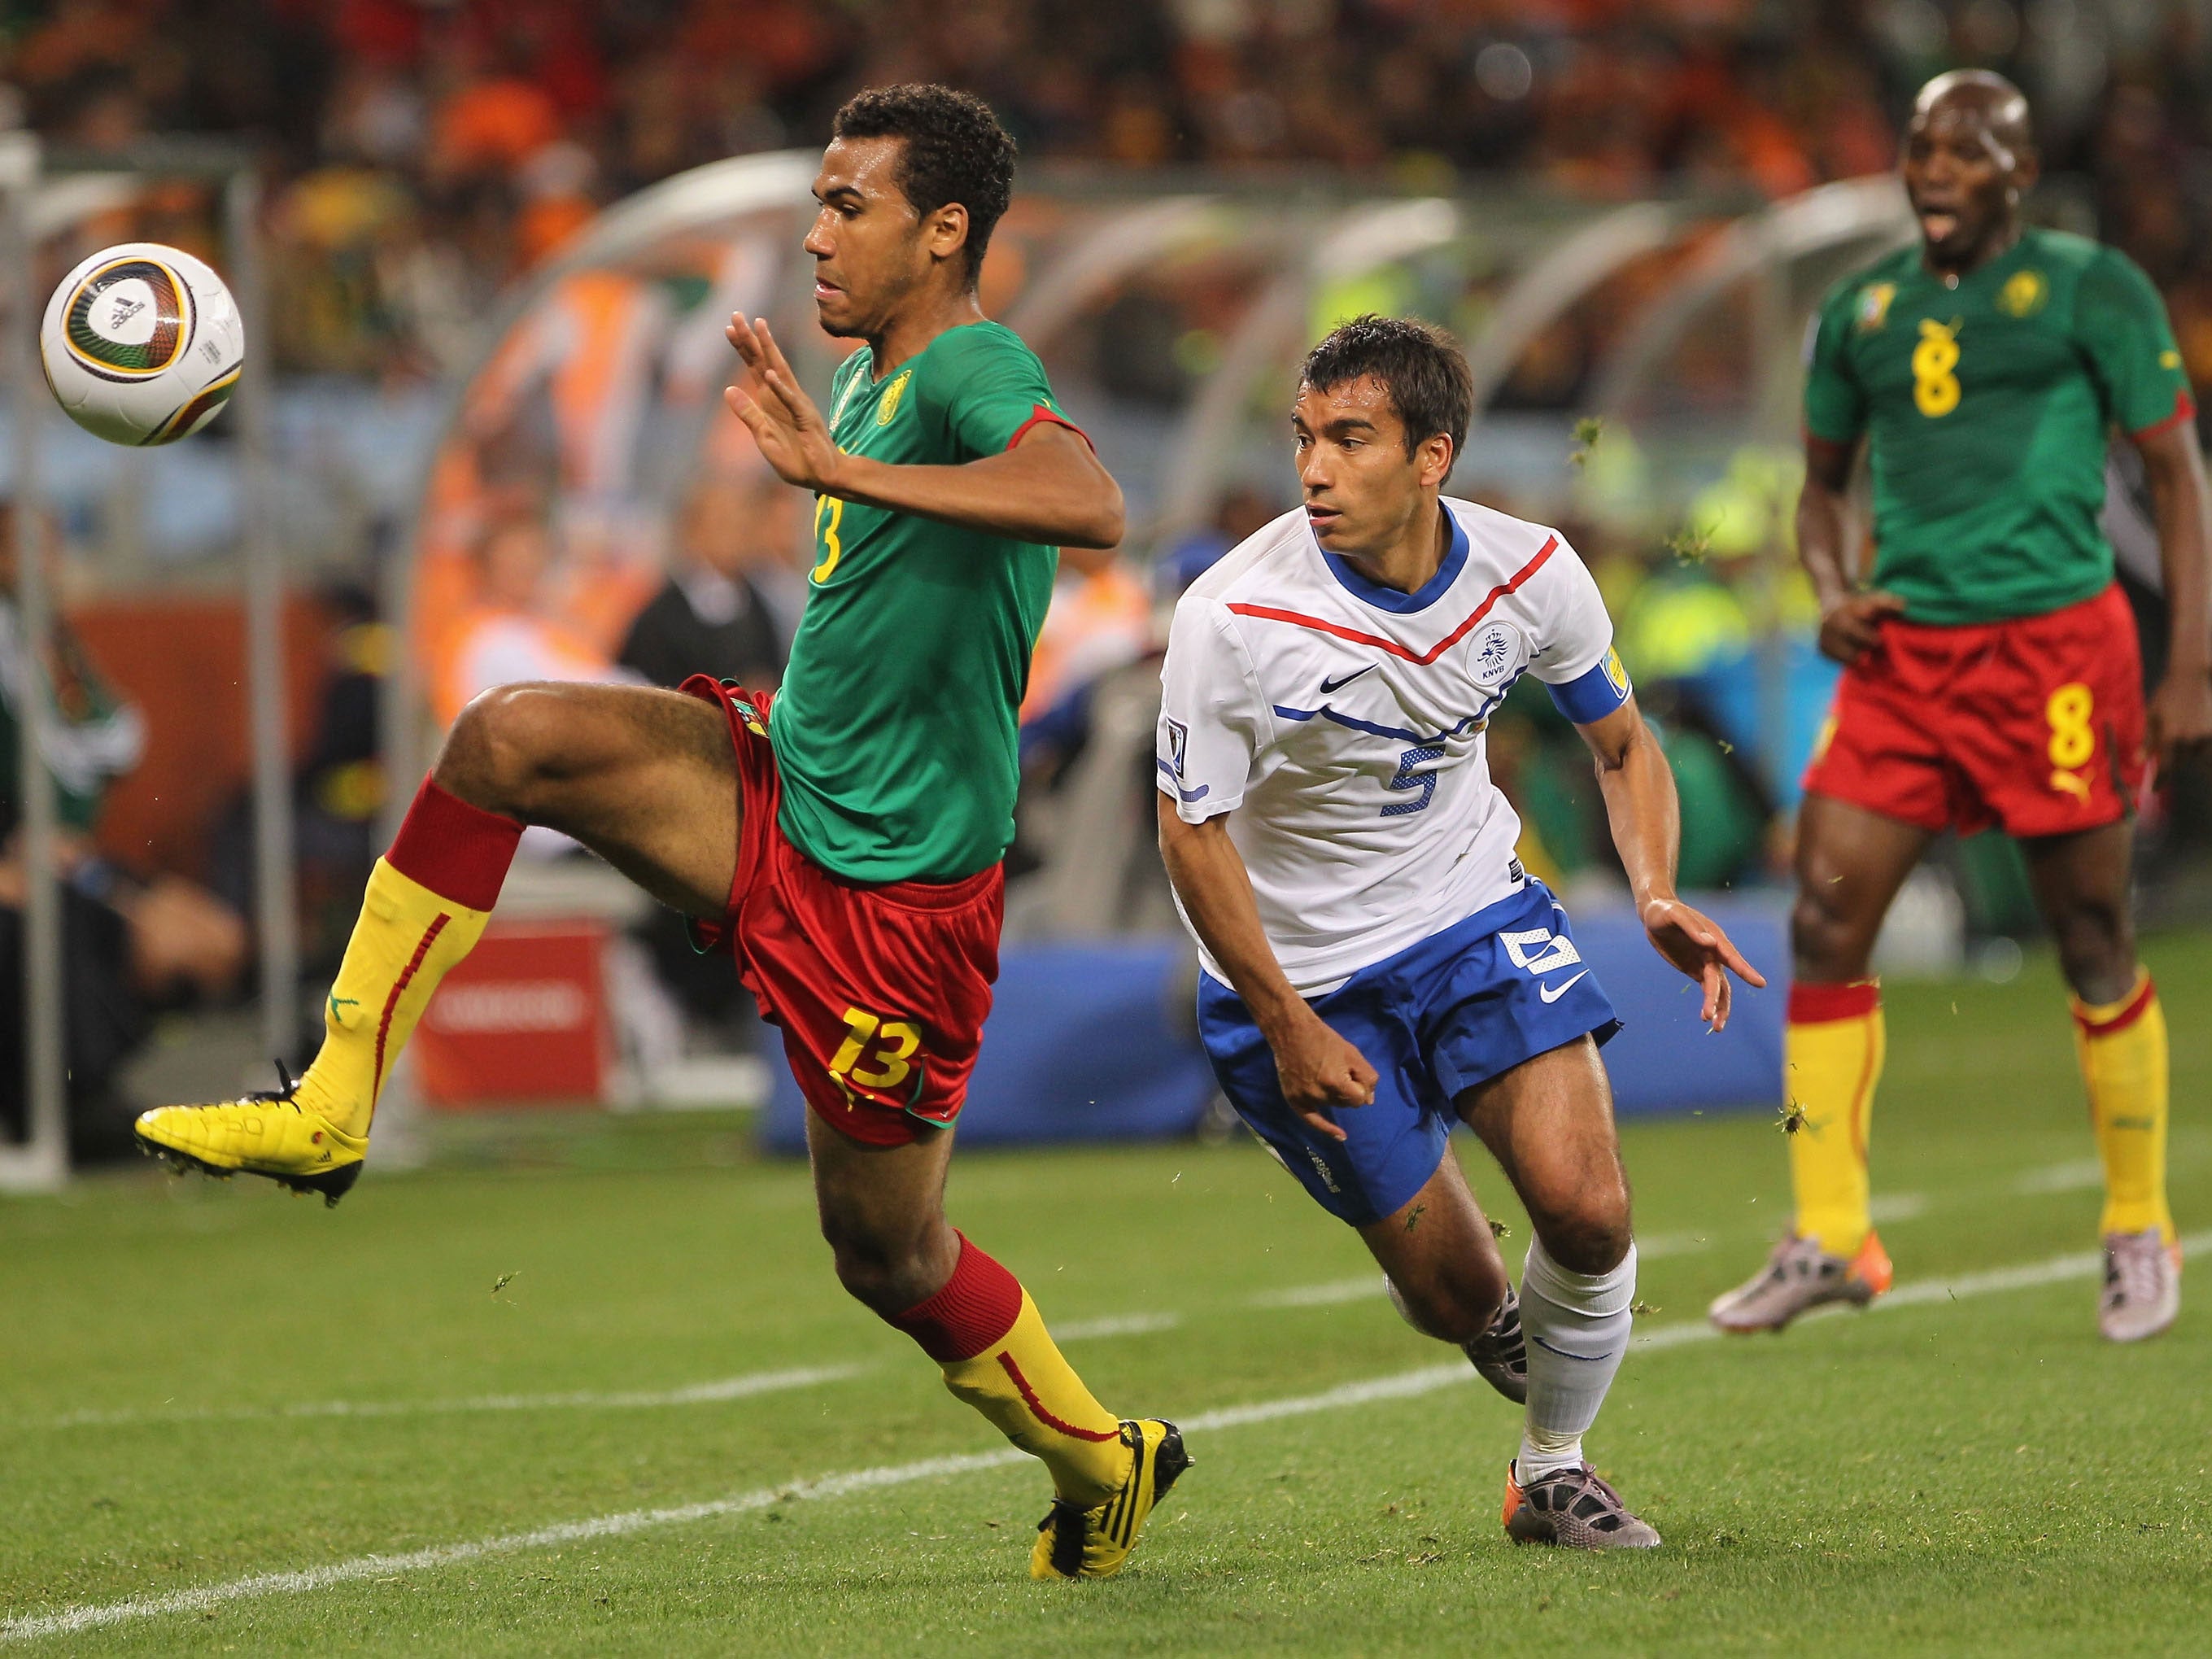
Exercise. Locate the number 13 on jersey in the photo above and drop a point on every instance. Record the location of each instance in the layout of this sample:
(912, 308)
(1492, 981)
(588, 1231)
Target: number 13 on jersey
(833, 509)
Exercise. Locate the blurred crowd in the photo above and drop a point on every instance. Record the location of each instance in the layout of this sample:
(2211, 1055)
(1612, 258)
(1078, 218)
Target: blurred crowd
(424, 153)
(420, 156)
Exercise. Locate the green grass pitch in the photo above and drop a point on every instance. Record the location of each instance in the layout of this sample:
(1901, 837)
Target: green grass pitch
(206, 1383)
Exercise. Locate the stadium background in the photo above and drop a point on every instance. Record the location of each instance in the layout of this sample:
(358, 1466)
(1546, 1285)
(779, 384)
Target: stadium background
(1588, 193)
(493, 398)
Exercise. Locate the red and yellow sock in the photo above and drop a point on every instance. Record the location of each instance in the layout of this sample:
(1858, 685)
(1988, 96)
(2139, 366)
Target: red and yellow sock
(985, 1333)
(1834, 1051)
(2121, 1047)
(428, 899)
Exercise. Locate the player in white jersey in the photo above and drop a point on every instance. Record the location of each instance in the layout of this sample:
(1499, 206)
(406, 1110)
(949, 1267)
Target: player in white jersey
(1378, 965)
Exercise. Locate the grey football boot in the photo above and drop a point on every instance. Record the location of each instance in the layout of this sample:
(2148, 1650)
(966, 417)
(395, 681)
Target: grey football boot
(1799, 1277)
(1499, 1355)
(2141, 1293)
(1575, 1510)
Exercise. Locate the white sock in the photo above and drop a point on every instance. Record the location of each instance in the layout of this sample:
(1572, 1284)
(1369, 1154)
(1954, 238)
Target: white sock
(1577, 1325)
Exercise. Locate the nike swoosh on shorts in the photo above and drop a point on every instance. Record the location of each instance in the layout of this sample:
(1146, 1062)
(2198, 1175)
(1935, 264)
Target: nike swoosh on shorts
(1553, 993)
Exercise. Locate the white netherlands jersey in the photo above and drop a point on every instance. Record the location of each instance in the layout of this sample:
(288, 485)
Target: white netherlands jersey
(1343, 723)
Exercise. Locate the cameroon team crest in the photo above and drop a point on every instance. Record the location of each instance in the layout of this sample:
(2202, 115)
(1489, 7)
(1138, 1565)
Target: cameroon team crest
(1873, 305)
(893, 393)
(2025, 293)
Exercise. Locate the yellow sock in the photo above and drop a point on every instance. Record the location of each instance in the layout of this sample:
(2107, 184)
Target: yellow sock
(1024, 1386)
(406, 939)
(1834, 1051)
(998, 1357)
(2121, 1047)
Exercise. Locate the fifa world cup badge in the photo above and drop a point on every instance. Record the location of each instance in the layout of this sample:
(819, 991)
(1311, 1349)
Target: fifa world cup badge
(1873, 305)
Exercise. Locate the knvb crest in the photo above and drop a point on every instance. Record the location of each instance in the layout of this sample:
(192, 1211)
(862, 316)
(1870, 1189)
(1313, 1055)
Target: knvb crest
(1494, 654)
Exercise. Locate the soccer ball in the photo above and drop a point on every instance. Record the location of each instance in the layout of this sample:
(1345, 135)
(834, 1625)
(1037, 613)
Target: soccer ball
(142, 345)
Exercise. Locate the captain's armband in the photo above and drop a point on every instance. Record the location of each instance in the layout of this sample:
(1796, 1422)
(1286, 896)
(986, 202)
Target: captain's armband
(1591, 695)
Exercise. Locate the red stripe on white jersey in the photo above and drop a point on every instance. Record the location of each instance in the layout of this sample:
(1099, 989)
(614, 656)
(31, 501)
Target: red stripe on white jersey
(1421, 659)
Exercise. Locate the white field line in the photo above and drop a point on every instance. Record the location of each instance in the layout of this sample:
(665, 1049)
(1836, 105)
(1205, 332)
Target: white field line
(1084, 1330)
(2062, 1177)
(1369, 1285)
(696, 1394)
(98, 1616)
(1322, 1296)
(1328, 1294)
(1404, 1385)
(1896, 1207)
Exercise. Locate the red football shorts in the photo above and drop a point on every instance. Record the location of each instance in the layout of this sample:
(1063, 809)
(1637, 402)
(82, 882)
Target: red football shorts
(880, 991)
(2035, 724)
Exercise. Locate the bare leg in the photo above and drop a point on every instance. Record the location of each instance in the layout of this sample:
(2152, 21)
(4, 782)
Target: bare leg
(883, 1211)
(647, 779)
(1549, 1124)
(2080, 884)
(1439, 1252)
(1850, 862)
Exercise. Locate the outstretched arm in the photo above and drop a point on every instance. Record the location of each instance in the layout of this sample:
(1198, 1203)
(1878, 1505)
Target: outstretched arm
(1047, 487)
(1317, 1068)
(2181, 707)
(1646, 819)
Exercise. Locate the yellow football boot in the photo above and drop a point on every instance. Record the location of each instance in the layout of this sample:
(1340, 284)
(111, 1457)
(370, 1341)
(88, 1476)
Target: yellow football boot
(1078, 1543)
(265, 1135)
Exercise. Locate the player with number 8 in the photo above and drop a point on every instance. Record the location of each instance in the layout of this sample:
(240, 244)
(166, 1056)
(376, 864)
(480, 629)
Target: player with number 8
(1992, 671)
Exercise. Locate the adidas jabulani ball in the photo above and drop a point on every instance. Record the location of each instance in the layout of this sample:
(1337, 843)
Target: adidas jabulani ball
(142, 345)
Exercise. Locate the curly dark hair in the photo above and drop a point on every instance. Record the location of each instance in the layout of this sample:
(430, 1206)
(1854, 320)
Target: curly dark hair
(955, 151)
(1418, 363)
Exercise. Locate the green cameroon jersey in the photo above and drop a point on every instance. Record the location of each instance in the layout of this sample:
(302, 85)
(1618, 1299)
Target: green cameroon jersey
(1988, 406)
(894, 730)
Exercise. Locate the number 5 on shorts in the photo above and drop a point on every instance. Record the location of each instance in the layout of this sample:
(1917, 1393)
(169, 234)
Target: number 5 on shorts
(891, 1062)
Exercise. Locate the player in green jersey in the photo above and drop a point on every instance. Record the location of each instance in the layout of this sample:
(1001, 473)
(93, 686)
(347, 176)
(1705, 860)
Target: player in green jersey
(842, 837)
(1992, 671)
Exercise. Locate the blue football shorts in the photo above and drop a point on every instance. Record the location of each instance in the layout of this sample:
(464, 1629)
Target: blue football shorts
(1459, 1008)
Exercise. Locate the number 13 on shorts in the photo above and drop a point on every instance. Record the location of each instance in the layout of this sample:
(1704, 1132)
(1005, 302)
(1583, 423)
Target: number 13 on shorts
(886, 1046)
